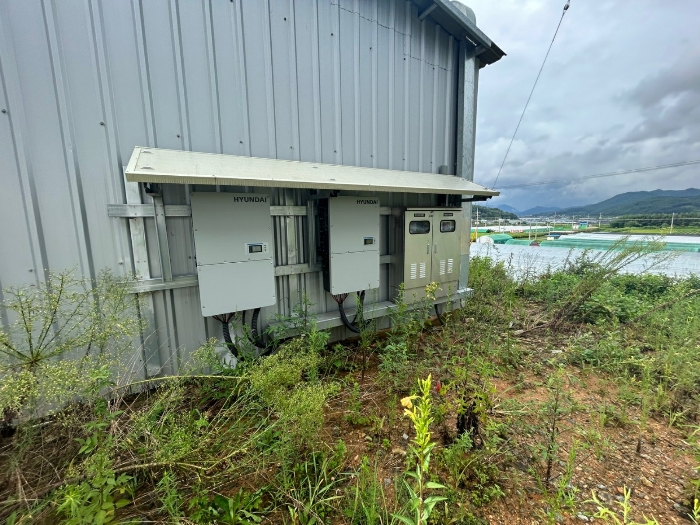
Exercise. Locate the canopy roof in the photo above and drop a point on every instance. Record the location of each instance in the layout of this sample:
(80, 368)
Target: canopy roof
(186, 167)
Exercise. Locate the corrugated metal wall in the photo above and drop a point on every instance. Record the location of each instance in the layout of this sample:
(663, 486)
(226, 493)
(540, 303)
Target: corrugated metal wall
(357, 82)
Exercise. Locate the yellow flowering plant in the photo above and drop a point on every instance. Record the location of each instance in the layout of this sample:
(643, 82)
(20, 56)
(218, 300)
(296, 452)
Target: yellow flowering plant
(418, 408)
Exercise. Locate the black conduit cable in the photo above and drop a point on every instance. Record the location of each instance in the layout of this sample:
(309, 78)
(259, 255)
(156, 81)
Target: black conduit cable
(437, 313)
(225, 319)
(346, 321)
(255, 335)
(340, 298)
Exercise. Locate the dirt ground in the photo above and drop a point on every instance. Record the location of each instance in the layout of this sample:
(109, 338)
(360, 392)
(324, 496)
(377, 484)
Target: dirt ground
(653, 460)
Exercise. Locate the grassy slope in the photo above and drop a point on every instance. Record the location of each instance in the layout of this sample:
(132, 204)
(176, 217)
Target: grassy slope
(603, 398)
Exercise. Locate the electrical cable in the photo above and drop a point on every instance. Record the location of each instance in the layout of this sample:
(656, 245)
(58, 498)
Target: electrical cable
(352, 326)
(602, 175)
(255, 335)
(441, 320)
(225, 319)
(566, 8)
(346, 321)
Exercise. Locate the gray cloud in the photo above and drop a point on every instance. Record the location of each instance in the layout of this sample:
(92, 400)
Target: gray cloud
(610, 98)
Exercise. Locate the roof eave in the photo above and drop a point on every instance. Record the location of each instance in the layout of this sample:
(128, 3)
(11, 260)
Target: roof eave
(459, 26)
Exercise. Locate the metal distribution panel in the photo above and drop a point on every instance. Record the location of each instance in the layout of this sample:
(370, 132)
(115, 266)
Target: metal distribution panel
(418, 242)
(431, 250)
(354, 244)
(447, 229)
(233, 242)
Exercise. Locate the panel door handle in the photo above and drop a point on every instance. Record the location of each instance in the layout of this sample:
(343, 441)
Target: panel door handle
(436, 248)
(427, 250)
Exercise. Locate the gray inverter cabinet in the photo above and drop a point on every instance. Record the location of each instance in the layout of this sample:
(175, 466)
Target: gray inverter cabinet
(234, 251)
(432, 240)
(349, 243)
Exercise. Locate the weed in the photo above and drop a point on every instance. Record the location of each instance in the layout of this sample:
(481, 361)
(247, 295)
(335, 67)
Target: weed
(300, 322)
(277, 380)
(68, 334)
(396, 365)
(170, 498)
(455, 458)
(563, 495)
(610, 516)
(95, 501)
(354, 407)
(595, 270)
(244, 508)
(695, 482)
(366, 501)
(308, 490)
(420, 414)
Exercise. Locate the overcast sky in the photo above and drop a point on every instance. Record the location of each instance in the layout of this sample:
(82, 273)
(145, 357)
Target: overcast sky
(621, 90)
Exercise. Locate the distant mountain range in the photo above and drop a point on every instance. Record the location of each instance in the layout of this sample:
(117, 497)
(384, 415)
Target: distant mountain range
(632, 202)
(639, 202)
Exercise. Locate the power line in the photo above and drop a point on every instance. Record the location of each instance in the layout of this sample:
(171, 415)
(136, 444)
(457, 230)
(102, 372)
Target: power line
(566, 8)
(634, 217)
(601, 175)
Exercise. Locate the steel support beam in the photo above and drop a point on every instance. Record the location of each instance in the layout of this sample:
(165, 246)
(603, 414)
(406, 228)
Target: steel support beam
(133, 211)
(154, 285)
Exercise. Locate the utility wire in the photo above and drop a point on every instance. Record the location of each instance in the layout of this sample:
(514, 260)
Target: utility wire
(602, 175)
(566, 8)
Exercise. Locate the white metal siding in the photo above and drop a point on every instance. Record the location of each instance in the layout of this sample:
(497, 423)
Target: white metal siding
(356, 82)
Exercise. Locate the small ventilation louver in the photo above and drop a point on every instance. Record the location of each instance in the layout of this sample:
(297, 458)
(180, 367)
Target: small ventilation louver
(422, 271)
(414, 270)
(442, 267)
(450, 265)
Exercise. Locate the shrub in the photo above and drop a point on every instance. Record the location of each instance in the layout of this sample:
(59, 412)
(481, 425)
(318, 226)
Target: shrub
(287, 382)
(66, 340)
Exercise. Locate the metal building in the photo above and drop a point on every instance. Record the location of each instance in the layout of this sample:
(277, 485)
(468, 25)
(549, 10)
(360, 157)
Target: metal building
(388, 84)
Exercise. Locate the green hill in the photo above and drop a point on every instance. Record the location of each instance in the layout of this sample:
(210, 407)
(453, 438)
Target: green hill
(642, 202)
(486, 213)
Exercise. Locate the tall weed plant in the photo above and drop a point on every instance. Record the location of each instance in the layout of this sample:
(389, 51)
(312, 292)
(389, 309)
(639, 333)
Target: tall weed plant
(66, 338)
(418, 408)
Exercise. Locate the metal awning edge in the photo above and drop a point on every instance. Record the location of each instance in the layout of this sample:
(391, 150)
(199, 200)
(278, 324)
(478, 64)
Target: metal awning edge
(447, 15)
(441, 184)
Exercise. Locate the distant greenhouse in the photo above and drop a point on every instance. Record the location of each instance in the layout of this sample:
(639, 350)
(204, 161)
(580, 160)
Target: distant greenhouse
(605, 242)
(495, 238)
(523, 242)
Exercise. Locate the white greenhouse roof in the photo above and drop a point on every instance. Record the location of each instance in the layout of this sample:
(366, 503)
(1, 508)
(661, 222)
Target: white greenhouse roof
(185, 167)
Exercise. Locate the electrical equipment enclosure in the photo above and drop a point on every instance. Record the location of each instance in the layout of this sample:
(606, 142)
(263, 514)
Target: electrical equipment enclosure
(349, 243)
(234, 251)
(432, 241)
